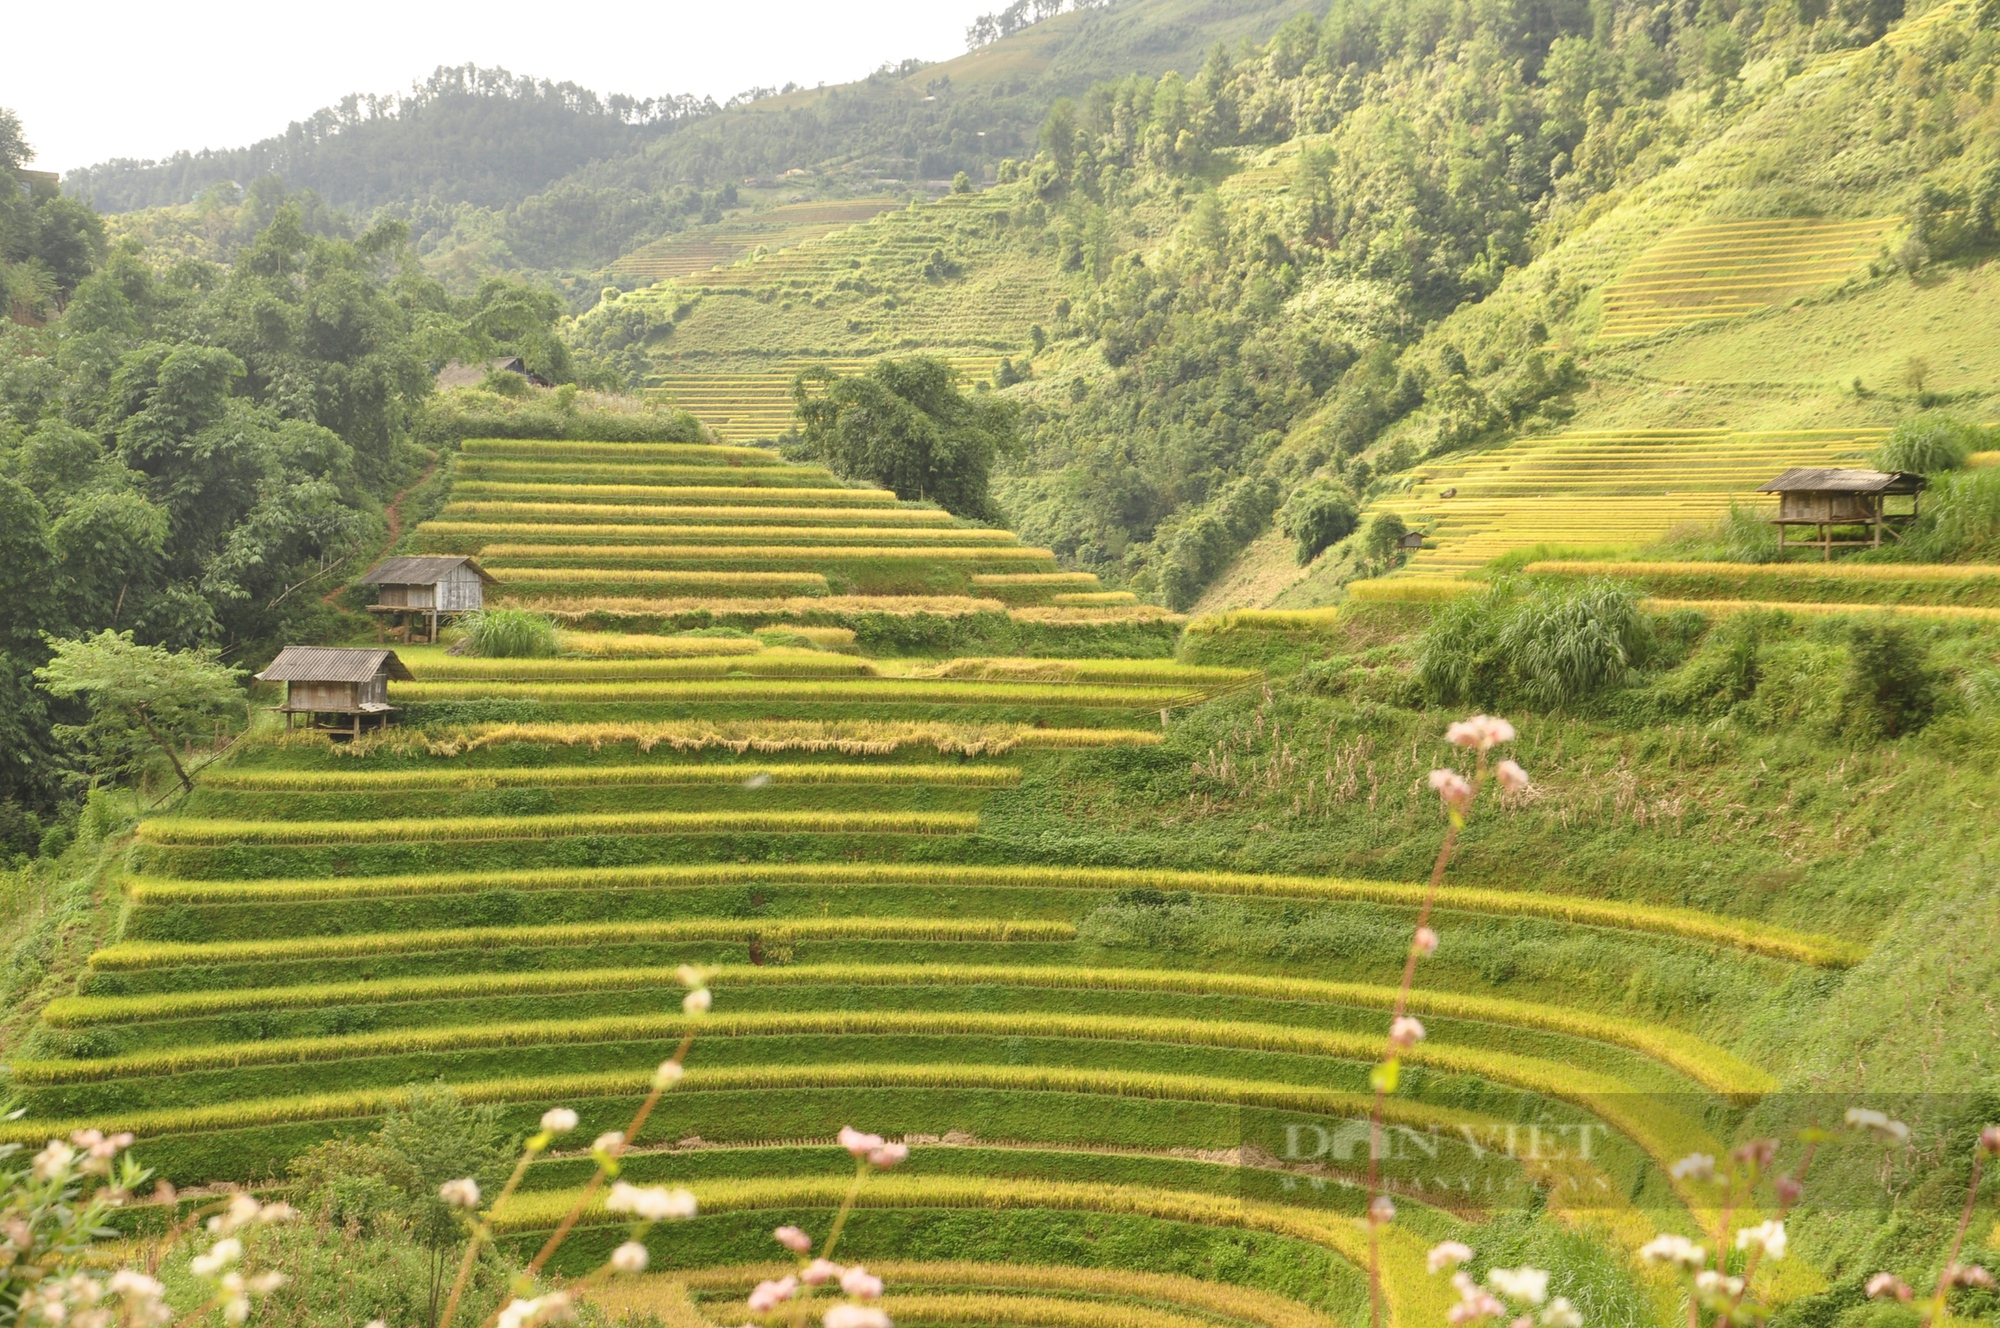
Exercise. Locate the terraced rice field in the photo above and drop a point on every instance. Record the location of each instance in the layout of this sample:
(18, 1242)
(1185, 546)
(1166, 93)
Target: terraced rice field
(750, 404)
(718, 244)
(1724, 269)
(497, 893)
(1599, 489)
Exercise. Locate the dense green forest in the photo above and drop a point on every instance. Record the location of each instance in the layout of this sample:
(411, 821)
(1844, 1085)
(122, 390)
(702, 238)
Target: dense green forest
(1442, 147)
(188, 452)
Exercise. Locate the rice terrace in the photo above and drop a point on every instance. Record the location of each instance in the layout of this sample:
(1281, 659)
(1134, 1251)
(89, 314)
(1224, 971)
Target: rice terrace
(1211, 664)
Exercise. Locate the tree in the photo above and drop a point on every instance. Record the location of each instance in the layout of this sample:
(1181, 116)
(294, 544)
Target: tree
(1318, 515)
(1890, 688)
(1384, 530)
(905, 425)
(140, 697)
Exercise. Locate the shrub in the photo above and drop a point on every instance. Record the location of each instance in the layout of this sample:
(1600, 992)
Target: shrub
(510, 634)
(1565, 644)
(1961, 516)
(1890, 689)
(1930, 443)
(1456, 656)
(1318, 515)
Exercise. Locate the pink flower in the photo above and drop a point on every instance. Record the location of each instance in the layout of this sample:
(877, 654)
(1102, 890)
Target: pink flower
(1425, 942)
(847, 1315)
(820, 1271)
(1989, 1140)
(861, 1284)
(1483, 732)
(857, 1143)
(1970, 1275)
(631, 1257)
(1381, 1211)
(1474, 1302)
(1512, 777)
(769, 1295)
(1448, 1254)
(888, 1155)
(793, 1239)
(1888, 1284)
(462, 1193)
(1406, 1032)
(697, 1001)
(1453, 788)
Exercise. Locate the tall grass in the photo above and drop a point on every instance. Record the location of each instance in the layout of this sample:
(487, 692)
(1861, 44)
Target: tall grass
(510, 634)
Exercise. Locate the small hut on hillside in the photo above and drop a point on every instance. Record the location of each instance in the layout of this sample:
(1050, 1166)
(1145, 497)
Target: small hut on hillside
(459, 374)
(428, 589)
(1831, 498)
(336, 686)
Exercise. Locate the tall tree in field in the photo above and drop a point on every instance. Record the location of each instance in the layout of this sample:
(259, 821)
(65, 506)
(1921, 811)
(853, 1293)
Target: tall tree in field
(141, 698)
(905, 425)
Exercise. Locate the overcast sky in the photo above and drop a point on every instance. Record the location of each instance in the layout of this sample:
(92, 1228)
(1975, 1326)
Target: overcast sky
(125, 79)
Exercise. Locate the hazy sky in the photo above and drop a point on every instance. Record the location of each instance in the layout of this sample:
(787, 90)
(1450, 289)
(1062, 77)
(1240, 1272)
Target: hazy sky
(125, 79)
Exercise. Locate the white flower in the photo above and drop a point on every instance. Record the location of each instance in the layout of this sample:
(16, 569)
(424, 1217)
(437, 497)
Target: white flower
(690, 976)
(224, 1253)
(1451, 786)
(1448, 1254)
(1695, 1166)
(1527, 1285)
(1512, 778)
(611, 1143)
(1406, 1032)
(1561, 1314)
(861, 1284)
(653, 1203)
(697, 1001)
(793, 1239)
(631, 1257)
(857, 1143)
(53, 1160)
(769, 1295)
(552, 1308)
(559, 1120)
(264, 1284)
(460, 1193)
(1713, 1287)
(1766, 1236)
(133, 1285)
(669, 1074)
(854, 1316)
(1676, 1250)
(819, 1272)
(1482, 731)
(1888, 1284)
(1889, 1131)
(1381, 1210)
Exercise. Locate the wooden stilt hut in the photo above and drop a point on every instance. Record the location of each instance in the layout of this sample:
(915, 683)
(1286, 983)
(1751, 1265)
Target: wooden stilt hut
(428, 590)
(336, 686)
(1830, 499)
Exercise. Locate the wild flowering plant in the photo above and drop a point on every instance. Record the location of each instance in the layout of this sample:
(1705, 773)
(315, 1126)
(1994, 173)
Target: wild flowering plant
(855, 1283)
(644, 1205)
(58, 1205)
(1720, 1270)
(1479, 735)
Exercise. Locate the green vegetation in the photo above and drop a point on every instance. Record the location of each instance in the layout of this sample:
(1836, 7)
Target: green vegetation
(509, 634)
(906, 426)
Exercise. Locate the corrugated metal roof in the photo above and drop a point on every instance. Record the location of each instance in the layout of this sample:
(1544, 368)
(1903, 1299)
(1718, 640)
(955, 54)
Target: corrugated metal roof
(420, 571)
(333, 664)
(1810, 479)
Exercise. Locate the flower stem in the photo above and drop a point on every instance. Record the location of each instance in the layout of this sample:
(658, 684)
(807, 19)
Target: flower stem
(1936, 1307)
